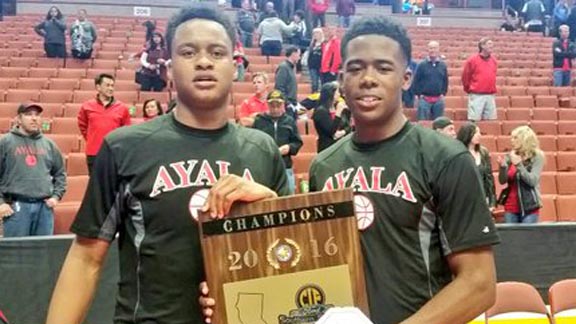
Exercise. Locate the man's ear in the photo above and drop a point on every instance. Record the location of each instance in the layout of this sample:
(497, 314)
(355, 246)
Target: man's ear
(407, 79)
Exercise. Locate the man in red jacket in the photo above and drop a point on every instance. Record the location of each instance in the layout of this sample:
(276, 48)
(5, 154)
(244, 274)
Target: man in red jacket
(100, 116)
(318, 8)
(331, 58)
(479, 81)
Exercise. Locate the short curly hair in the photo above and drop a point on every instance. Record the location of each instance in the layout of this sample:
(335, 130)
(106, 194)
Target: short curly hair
(382, 26)
(190, 13)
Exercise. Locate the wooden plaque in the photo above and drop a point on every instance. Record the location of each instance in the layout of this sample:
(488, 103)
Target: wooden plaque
(284, 260)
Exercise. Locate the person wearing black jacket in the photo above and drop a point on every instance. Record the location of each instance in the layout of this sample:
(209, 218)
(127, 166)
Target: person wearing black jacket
(53, 29)
(283, 129)
(563, 51)
(286, 77)
(331, 117)
(430, 84)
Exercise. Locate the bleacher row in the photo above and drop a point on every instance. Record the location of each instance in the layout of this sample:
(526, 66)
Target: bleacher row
(524, 96)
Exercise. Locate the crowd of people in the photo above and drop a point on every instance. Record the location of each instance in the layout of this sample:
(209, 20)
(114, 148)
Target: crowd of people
(360, 121)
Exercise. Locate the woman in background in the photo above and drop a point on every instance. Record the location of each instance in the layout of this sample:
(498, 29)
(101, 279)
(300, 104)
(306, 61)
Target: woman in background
(469, 135)
(152, 109)
(53, 29)
(521, 169)
(154, 61)
(331, 117)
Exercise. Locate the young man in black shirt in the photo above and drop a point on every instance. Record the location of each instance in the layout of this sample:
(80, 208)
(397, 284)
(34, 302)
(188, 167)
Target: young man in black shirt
(426, 231)
(150, 180)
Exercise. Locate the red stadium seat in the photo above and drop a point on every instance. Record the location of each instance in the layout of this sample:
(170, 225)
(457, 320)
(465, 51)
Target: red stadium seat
(566, 161)
(17, 95)
(25, 62)
(519, 114)
(63, 84)
(545, 114)
(547, 101)
(65, 126)
(544, 127)
(302, 161)
(71, 73)
(162, 97)
(72, 63)
(81, 96)
(72, 109)
(310, 144)
(45, 62)
(508, 126)
(548, 183)
(566, 208)
(566, 142)
(43, 72)
(548, 211)
(567, 127)
(521, 102)
(13, 72)
(6, 83)
(562, 297)
(551, 163)
(56, 96)
(127, 97)
(32, 83)
(67, 143)
(76, 164)
(566, 183)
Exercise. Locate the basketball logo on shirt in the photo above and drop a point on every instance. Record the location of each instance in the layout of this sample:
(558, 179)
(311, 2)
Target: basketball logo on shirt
(197, 202)
(31, 160)
(364, 211)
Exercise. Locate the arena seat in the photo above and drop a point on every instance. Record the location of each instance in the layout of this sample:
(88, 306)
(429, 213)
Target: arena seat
(19, 95)
(566, 142)
(544, 114)
(566, 161)
(56, 96)
(70, 73)
(519, 114)
(567, 127)
(43, 72)
(162, 97)
(302, 161)
(81, 96)
(548, 211)
(516, 297)
(63, 84)
(544, 127)
(32, 83)
(67, 143)
(562, 297)
(309, 144)
(65, 126)
(13, 72)
(565, 208)
(76, 164)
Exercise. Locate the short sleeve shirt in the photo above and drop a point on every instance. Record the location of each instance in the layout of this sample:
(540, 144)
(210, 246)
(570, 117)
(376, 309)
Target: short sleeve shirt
(418, 198)
(148, 184)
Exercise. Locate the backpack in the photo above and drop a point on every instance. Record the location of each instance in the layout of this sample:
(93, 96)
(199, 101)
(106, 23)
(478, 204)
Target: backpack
(246, 22)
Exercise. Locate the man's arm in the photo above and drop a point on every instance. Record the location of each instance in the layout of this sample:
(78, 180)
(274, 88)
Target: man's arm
(466, 74)
(474, 282)
(83, 121)
(58, 173)
(282, 79)
(295, 139)
(77, 282)
(446, 81)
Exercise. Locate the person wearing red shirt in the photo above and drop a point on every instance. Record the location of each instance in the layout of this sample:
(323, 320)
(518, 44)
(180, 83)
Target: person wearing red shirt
(256, 104)
(563, 52)
(100, 116)
(520, 170)
(318, 8)
(479, 81)
(331, 59)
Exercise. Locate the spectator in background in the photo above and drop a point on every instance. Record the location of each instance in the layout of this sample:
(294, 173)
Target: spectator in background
(255, 105)
(246, 22)
(315, 58)
(331, 117)
(564, 51)
(469, 135)
(345, 9)
(288, 9)
(240, 60)
(561, 13)
(83, 36)
(520, 170)
(286, 79)
(100, 116)
(267, 9)
(512, 21)
(444, 126)
(152, 108)
(479, 81)
(331, 59)
(154, 61)
(430, 84)
(533, 11)
(53, 29)
(298, 37)
(32, 176)
(318, 9)
(282, 128)
(271, 31)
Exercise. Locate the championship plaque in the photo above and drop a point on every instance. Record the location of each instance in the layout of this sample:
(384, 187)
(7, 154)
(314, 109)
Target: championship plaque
(285, 260)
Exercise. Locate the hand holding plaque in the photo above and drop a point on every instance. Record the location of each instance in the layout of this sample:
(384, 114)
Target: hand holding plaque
(284, 260)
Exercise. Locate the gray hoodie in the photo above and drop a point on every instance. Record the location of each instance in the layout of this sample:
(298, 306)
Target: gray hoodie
(31, 167)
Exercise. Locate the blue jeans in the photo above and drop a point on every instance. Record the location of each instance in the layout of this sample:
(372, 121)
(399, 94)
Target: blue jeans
(246, 39)
(511, 218)
(561, 78)
(29, 218)
(314, 79)
(344, 22)
(291, 181)
(430, 111)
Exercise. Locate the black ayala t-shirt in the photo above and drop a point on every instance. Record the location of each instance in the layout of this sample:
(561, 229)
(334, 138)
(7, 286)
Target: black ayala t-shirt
(149, 181)
(418, 198)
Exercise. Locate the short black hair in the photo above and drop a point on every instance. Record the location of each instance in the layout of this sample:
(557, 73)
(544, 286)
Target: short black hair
(300, 13)
(291, 49)
(382, 26)
(190, 13)
(102, 76)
